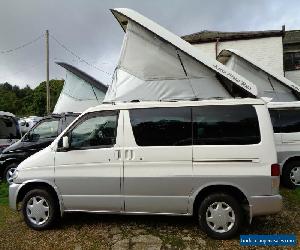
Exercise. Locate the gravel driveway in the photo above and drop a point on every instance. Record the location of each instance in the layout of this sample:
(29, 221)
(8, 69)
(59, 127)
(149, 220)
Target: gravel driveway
(90, 231)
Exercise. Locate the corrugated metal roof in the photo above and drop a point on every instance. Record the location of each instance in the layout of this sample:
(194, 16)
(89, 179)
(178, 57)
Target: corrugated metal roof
(211, 36)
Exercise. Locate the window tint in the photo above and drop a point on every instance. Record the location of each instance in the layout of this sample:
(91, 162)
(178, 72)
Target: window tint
(225, 125)
(46, 129)
(275, 120)
(290, 120)
(95, 131)
(162, 126)
(8, 128)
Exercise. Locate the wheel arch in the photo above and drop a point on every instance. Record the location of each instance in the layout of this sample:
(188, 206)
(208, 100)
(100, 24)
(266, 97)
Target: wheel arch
(40, 184)
(290, 159)
(230, 189)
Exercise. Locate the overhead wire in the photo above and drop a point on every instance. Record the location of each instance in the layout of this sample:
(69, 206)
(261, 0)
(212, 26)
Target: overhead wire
(8, 51)
(21, 46)
(78, 57)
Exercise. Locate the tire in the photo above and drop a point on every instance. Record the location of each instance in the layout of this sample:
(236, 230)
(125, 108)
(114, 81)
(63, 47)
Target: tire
(46, 211)
(7, 175)
(290, 177)
(227, 223)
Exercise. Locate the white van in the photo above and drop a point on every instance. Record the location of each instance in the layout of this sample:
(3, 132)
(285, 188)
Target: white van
(286, 123)
(215, 159)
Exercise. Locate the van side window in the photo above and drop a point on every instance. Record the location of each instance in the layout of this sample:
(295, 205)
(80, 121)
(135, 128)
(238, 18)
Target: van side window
(162, 126)
(290, 120)
(275, 120)
(225, 125)
(97, 130)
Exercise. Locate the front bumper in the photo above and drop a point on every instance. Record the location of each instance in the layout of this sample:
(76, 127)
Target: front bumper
(13, 194)
(265, 205)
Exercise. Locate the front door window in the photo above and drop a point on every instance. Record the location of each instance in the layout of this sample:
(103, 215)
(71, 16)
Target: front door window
(95, 131)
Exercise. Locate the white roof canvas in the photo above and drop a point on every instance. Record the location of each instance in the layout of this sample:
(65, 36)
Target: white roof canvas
(80, 91)
(268, 83)
(156, 64)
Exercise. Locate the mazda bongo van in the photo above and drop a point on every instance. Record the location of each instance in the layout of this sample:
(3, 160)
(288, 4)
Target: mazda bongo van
(214, 159)
(286, 123)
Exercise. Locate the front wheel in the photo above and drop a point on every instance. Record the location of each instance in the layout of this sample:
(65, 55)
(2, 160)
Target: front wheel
(291, 175)
(40, 210)
(220, 216)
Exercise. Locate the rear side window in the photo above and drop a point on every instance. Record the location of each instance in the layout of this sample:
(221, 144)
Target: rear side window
(162, 126)
(290, 120)
(275, 120)
(225, 125)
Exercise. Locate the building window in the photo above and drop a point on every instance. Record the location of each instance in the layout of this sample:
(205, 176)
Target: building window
(291, 61)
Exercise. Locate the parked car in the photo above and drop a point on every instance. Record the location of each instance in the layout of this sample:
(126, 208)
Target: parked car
(286, 123)
(215, 159)
(9, 129)
(39, 137)
(26, 123)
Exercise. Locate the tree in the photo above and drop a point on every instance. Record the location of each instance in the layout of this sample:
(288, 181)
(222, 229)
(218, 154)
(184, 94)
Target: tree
(26, 101)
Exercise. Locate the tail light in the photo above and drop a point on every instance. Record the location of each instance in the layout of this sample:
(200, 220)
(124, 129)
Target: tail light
(275, 169)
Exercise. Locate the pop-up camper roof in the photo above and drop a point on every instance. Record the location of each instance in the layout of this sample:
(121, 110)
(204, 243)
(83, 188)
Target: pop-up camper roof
(80, 91)
(156, 64)
(268, 83)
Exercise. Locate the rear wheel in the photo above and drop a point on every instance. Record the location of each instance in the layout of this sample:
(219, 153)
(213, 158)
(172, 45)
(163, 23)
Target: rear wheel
(291, 174)
(40, 209)
(220, 216)
(9, 171)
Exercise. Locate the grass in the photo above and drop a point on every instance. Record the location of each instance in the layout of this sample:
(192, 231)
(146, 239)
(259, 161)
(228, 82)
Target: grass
(3, 193)
(90, 231)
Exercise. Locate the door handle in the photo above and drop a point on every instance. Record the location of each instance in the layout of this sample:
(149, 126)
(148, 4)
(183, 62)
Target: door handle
(129, 154)
(118, 154)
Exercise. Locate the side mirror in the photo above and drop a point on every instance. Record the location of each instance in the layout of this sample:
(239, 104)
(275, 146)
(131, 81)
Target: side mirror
(66, 142)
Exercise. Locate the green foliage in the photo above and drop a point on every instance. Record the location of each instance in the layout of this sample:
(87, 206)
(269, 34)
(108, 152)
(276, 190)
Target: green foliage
(27, 101)
(3, 193)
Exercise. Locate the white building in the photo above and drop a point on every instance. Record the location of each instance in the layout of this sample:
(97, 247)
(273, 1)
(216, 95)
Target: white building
(276, 50)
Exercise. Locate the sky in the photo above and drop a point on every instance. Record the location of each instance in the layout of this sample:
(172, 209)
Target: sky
(89, 30)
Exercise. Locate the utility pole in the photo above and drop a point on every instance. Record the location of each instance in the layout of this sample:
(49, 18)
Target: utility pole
(47, 74)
